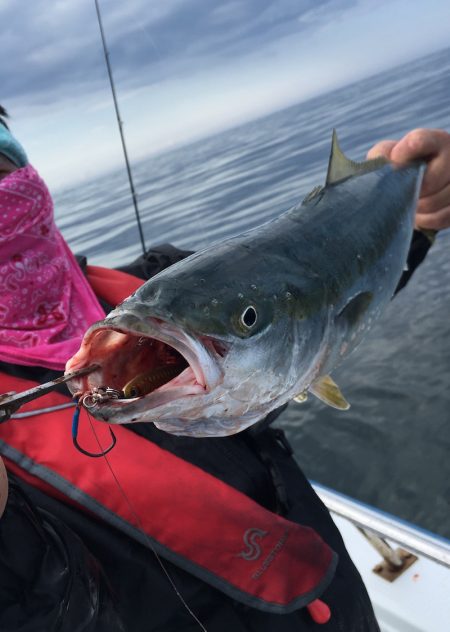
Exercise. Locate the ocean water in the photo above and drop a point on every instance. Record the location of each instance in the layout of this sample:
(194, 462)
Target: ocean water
(392, 448)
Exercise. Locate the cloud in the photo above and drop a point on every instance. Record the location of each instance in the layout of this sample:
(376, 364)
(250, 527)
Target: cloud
(185, 68)
(57, 53)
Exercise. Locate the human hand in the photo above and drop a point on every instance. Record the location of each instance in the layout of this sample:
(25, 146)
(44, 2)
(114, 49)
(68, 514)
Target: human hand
(433, 146)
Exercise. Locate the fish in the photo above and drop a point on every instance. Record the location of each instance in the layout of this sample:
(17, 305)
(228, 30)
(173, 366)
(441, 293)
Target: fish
(215, 342)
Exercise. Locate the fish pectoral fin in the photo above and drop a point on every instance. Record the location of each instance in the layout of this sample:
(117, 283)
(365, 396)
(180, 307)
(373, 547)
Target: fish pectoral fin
(301, 397)
(340, 167)
(326, 389)
(355, 308)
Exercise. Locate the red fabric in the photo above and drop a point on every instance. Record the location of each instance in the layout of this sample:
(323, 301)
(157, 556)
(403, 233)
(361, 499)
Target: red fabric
(197, 516)
(319, 611)
(113, 286)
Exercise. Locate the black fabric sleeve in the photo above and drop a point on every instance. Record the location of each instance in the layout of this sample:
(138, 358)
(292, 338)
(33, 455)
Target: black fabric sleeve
(420, 245)
(48, 578)
(155, 260)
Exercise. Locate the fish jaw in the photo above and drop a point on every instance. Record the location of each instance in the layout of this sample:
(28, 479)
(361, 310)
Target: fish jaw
(224, 389)
(123, 345)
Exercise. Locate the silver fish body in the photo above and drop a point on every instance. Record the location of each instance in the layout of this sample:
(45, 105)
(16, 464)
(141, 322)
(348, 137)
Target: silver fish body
(262, 317)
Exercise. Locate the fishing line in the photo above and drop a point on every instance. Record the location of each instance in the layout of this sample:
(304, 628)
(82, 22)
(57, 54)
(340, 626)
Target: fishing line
(140, 527)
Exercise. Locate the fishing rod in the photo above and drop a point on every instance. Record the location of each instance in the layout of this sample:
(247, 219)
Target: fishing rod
(120, 124)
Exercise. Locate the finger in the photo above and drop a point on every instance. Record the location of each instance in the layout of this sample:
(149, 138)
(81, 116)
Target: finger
(433, 203)
(383, 148)
(437, 175)
(420, 143)
(434, 221)
(431, 145)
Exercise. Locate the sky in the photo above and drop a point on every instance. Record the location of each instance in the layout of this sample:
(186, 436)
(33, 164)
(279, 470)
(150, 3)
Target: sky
(185, 69)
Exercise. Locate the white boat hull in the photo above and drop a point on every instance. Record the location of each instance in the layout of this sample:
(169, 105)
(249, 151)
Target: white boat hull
(419, 599)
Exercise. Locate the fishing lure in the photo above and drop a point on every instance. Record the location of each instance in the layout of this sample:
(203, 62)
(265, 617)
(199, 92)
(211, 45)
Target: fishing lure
(145, 383)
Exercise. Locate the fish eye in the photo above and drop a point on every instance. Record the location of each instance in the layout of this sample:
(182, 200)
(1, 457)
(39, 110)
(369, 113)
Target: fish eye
(249, 317)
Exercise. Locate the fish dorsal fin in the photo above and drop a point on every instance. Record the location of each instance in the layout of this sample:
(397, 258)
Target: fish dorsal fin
(340, 167)
(326, 389)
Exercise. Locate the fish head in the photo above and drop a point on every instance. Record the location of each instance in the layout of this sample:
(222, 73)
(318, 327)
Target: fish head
(198, 350)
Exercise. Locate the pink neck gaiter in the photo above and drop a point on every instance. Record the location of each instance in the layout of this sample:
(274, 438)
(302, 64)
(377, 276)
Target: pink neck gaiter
(46, 304)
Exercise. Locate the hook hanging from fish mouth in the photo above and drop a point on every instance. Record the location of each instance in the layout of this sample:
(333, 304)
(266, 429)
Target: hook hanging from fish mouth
(75, 424)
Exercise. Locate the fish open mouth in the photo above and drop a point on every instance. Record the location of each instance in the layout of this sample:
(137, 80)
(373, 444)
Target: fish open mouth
(146, 362)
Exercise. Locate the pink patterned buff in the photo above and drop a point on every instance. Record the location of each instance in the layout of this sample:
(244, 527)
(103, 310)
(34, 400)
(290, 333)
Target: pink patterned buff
(46, 304)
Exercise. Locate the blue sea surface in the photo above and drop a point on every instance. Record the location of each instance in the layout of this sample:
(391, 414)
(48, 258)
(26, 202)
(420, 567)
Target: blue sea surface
(392, 447)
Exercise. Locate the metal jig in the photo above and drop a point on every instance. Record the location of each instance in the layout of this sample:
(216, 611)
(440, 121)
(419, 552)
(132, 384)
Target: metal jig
(99, 395)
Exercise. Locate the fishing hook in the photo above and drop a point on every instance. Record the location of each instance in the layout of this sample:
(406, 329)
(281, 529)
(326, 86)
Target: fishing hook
(75, 422)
